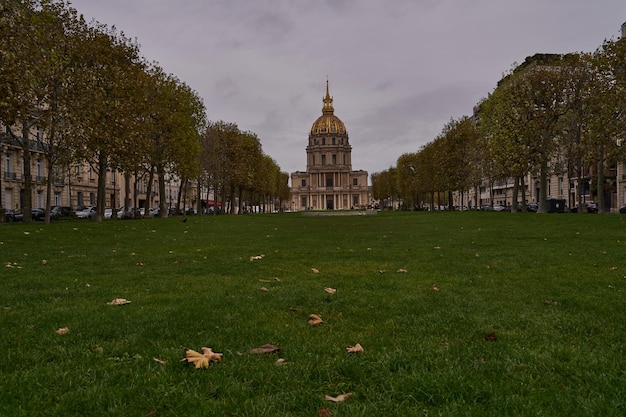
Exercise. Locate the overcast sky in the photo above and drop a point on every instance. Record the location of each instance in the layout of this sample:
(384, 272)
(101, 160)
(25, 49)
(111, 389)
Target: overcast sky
(398, 70)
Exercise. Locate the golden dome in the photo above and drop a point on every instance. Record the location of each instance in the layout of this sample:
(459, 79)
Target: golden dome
(328, 123)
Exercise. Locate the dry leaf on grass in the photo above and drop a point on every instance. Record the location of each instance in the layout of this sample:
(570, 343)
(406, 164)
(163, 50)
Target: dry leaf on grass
(434, 288)
(401, 270)
(339, 398)
(315, 320)
(257, 257)
(324, 412)
(382, 271)
(315, 270)
(160, 361)
(44, 262)
(330, 290)
(281, 361)
(118, 302)
(201, 360)
(550, 302)
(63, 330)
(264, 289)
(491, 337)
(354, 349)
(267, 348)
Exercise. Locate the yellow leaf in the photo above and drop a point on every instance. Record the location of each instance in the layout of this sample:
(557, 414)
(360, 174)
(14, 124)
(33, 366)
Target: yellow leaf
(63, 330)
(330, 290)
(355, 349)
(315, 270)
(201, 360)
(339, 398)
(315, 320)
(157, 360)
(118, 302)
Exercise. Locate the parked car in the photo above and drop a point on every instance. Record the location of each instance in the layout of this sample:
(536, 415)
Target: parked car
(60, 211)
(591, 207)
(9, 216)
(88, 212)
(37, 214)
(622, 209)
(498, 207)
(532, 207)
(108, 213)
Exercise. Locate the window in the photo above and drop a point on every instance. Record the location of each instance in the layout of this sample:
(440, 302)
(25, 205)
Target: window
(92, 199)
(304, 182)
(355, 200)
(333, 141)
(323, 141)
(323, 159)
(303, 202)
(561, 186)
(79, 198)
(329, 181)
(334, 159)
(355, 181)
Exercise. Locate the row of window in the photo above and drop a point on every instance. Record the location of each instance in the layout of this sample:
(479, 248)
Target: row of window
(334, 141)
(325, 162)
(329, 182)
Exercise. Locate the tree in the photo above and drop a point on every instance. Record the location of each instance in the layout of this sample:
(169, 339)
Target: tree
(105, 83)
(32, 60)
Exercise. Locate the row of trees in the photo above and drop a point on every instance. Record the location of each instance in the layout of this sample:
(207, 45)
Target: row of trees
(552, 114)
(95, 99)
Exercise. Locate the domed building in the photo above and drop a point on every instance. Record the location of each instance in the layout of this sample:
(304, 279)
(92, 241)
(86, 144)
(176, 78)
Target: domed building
(329, 182)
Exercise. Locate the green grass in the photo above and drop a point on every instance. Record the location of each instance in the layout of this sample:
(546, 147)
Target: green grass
(193, 284)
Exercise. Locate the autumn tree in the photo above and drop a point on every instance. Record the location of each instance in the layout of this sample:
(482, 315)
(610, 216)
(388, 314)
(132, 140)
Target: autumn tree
(33, 43)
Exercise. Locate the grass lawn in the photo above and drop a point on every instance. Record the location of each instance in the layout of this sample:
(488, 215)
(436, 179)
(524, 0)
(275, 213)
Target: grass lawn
(548, 288)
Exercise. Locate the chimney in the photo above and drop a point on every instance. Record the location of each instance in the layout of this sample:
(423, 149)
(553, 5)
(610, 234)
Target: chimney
(624, 30)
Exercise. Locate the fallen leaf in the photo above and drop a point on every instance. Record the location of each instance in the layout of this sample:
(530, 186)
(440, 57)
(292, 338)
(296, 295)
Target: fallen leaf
(315, 320)
(324, 412)
(201, 360)
(330, 290)
(354, 349)
(339, 398)
(27, 233)
(264, 289)
(315, 270)
(434, 288)
(266, 348)
(281, 361)
(157, 360)
(44, 262)
(139, 264)
(63, 330)
(401, 270)
(437, 247)
(382, 271)
(491, 337)
(119, 302)
(257, 257)
(613, 268)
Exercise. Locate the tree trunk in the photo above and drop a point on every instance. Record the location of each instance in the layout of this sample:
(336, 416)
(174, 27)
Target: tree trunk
(102, 181)
(542, 199)
(601, 204)
(28, 184)
(515, 194)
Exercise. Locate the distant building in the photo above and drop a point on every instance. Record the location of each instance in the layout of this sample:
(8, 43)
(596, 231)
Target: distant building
(329, 182)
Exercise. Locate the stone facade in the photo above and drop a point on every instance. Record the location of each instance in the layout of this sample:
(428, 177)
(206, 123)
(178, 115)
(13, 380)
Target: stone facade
(329, 183)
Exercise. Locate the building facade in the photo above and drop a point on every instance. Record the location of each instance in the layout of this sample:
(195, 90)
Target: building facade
(329, 183)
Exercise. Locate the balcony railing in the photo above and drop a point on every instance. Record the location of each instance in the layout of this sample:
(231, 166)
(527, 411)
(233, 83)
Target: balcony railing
(10, 175)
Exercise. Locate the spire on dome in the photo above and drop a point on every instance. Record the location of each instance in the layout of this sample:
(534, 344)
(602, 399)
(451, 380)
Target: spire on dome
(328, 102)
